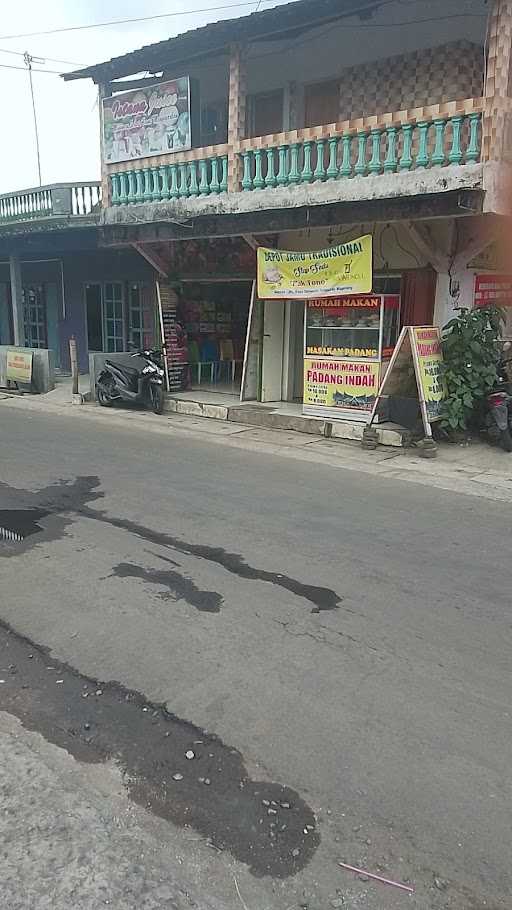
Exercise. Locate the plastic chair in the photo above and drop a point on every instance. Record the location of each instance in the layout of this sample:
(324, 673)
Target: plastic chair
(210, 357)
(227, 355)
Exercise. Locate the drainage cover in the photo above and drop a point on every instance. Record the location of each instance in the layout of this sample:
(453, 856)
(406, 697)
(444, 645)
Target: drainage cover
(16, 524)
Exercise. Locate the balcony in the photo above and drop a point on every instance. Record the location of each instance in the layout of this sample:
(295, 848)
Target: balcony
(79, 201)
(440, 136)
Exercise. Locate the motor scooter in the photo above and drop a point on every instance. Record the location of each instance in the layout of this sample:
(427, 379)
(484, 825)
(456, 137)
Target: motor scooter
(497, 410)
(138, 384)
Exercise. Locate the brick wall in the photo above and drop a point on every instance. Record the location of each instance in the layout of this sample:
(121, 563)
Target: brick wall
(452, 71)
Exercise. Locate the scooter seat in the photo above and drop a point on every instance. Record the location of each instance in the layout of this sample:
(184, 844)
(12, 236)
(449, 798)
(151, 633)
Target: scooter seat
(127, 370)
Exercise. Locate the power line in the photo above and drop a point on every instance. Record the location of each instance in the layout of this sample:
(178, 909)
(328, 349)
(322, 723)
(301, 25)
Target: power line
(23, 69)
(189, 12)
(3, 50)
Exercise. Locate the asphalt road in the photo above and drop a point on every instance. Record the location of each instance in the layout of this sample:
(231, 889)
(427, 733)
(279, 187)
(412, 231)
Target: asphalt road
(333, 647)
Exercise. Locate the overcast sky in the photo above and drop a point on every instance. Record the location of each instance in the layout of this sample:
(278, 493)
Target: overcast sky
(67, 111)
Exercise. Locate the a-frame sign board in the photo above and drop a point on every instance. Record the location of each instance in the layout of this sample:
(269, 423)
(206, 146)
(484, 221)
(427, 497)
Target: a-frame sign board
(416, 365)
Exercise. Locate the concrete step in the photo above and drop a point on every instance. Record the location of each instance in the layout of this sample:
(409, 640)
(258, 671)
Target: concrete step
(272, 417)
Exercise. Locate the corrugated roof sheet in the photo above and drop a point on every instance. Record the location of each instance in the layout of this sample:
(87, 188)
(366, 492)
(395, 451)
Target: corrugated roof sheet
(290, 19)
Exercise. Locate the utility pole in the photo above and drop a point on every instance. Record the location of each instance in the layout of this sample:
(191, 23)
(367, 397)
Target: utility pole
(28, 63)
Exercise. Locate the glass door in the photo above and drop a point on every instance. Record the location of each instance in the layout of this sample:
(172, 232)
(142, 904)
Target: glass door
(34, 317)
(135, 317)
(113, 309)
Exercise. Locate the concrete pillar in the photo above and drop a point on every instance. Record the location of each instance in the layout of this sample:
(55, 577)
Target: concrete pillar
(236, 114)
(498, 80)
(17, 301)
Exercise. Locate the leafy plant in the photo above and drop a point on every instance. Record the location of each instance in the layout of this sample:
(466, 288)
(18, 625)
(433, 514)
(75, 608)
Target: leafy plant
(471, 351)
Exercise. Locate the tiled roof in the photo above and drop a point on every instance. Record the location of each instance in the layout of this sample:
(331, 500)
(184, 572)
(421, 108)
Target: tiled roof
(290, 20)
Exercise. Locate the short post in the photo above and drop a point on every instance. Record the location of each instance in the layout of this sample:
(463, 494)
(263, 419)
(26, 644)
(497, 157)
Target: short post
(74, 365)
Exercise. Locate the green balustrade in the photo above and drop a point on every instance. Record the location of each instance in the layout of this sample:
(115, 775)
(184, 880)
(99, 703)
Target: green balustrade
(155, 180)
(247, 176)
(193, 186)
(361, 166)
(286, 165)
(473, 150)
(139, 186)
(332, 168)
(422, 159)
(130, 176)
(439, 155)
(294, 173)
(215, 179)
(183, 184)
(123, 188)
(114, 194)
(164, 178)
(375, 166)
(319, 172)
(204, 187)
(456, 155)
(406, 156)
(173, 188)
(148, 191)
(224, 176)
(258, 182)
(346, 159)
(307, 171)
(270, 177)
(390, 161)
(282, 174)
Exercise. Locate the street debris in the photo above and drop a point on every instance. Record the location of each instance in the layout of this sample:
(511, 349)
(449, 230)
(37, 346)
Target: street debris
(377, 878)
(190, 755)
(177, 776)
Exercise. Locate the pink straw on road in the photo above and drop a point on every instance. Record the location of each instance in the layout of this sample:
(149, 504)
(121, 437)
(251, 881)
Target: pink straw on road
(377, 878)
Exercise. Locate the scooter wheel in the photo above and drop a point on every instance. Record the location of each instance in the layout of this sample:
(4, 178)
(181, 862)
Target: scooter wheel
(506, 441)
(156, 394)
(103, 399)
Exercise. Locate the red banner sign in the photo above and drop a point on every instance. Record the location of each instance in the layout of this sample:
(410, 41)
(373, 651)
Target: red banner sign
(493, 289)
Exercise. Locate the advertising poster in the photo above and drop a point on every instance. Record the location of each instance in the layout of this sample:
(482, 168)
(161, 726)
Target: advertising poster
(19, 367)
(338, 270)
(146, 122)
(493, 290)
(429, 358)
(345, 384)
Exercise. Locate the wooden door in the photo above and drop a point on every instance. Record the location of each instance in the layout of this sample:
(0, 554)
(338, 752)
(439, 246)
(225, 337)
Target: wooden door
(321, 103)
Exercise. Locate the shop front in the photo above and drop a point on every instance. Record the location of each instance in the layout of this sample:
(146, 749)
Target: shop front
(205, 314)
(347, 345)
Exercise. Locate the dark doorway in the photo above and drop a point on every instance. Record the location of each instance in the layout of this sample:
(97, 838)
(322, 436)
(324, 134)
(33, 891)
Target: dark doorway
(94, 317)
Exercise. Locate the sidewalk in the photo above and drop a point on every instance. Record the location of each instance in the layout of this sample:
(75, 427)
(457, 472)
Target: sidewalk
(476, 469)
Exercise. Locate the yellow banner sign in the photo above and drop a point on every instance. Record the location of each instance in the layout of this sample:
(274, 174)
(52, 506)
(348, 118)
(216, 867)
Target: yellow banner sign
(429, 359)
(346, 384)
(19, 366)
(339, 270)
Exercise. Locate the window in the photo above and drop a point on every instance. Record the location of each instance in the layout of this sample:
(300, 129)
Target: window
(135, 317)
(265, 114)
(114, 316)
(34, 317)
(321, 103)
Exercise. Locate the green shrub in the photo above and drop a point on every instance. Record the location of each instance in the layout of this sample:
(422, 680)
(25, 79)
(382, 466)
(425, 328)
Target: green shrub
(471, 351)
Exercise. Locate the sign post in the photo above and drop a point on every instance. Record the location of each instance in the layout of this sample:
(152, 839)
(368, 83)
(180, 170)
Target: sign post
(416, 366)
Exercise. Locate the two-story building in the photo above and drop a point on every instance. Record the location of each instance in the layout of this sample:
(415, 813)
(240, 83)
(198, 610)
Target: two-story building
(299, 128)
